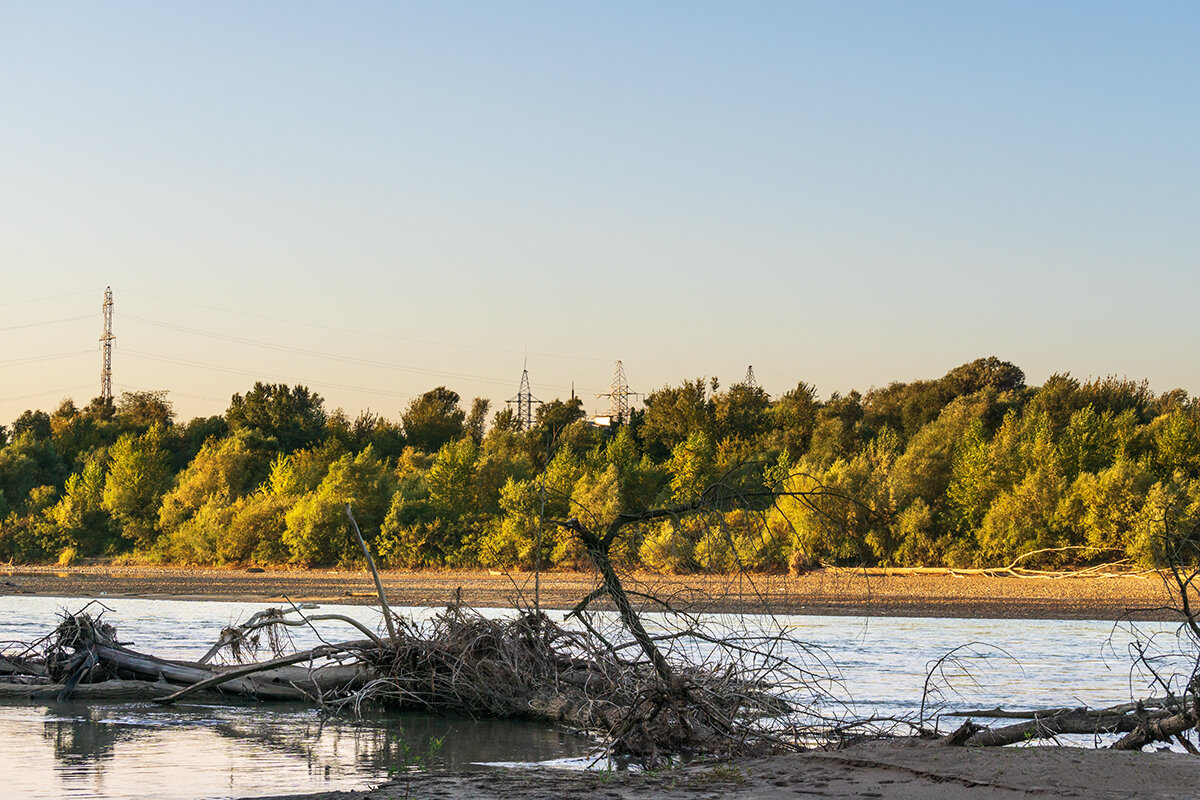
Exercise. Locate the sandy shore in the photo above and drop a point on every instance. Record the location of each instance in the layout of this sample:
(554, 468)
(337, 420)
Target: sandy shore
(908, 771)
(820, 592)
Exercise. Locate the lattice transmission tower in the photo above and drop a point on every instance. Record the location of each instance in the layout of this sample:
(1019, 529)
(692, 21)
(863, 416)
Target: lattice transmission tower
(106, 345)
(618, 396)
(524, 402)
(749, 379)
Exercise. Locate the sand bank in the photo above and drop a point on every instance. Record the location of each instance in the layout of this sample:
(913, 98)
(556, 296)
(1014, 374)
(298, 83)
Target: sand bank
(820, 592)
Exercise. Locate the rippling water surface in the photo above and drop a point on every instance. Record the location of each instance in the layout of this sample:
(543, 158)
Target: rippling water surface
(136, 750)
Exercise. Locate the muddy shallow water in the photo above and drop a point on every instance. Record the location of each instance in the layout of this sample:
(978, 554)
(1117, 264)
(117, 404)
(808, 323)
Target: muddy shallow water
(205, 750)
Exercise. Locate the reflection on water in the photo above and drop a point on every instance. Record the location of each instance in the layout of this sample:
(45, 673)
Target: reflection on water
(136, 750)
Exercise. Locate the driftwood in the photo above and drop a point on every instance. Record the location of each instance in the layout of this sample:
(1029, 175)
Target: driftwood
(1146, 721)
(238, 637)
(1121, 568)
(383, 603)
(110, 690)
(524, 666)
(267, 673)
(84, 660)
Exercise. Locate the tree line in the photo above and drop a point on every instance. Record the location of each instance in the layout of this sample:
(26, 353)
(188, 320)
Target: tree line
(971, 469)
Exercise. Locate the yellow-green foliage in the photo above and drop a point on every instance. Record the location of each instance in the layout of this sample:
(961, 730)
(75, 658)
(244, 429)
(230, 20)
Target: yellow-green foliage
(971, 468)
(318, 531)
(255, 533)
(138, 476)
(226, 468)
(511, 540)
(669, 545)
(196, 540)
(743, 540)
(595, 501)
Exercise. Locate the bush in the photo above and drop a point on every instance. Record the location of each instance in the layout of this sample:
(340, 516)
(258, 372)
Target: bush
(255, 533)
(669, 547)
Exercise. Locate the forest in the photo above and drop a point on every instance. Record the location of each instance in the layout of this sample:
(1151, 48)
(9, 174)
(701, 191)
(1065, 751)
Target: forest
(974, 468)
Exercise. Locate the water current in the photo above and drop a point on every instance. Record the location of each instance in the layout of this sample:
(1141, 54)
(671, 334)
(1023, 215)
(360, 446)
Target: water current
(112, 751)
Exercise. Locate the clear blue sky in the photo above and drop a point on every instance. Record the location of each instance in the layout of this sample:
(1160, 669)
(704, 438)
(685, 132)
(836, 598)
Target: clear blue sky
(846, 193)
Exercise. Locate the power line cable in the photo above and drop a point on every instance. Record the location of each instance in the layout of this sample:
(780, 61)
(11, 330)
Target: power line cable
(318, 354)
(44, 299)
(47, 322)
(125, 387)
(39, 359)
(336, 329)
(260, 375)
(45, 393)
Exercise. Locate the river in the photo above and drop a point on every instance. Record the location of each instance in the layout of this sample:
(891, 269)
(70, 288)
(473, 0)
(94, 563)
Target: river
(111, 751)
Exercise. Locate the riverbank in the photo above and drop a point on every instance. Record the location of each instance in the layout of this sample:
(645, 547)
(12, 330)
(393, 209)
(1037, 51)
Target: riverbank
(898, 771)
(821, 592)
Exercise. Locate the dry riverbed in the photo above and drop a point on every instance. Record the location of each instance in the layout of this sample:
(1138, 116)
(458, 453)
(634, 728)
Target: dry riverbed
(818, 592)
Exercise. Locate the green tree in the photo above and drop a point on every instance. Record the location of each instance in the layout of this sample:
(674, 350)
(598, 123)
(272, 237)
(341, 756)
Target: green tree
(1176, 445)
(35, 424)
(1025, 518)
(476, 423)
(742, 412)
(925, 467)
(76, 436)
(318, 531)
(385, 438)
(983, 373)
(255, 531)
(556, 423)
(193, 434)
(691, 468)
(510, 539)
(792, 420)
(973, 484)
(293, 416)
(223, 471)
(142, 410)
(1103, 508)
(673, 413)
(836, 433)
(138, 476)
(433, 419)
(595, 499)
(450, 480)
(80, 514)
(26, 463)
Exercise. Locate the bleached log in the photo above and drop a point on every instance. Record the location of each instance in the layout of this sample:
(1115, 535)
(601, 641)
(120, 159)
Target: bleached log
(185, 673)
(265, 679)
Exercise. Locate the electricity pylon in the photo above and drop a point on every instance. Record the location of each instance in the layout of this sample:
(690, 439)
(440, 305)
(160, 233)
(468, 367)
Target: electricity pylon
(106, 343)
(618, 397)
(524, 401)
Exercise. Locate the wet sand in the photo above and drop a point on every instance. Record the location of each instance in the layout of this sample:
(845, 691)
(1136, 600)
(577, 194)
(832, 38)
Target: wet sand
(833, 592)
(906, 771)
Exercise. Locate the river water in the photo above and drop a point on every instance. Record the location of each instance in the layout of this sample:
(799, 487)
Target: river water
(878, 666)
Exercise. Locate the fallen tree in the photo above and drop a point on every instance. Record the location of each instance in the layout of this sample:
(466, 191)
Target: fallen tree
(525, 666)
(1157, 719)
(648, 697)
